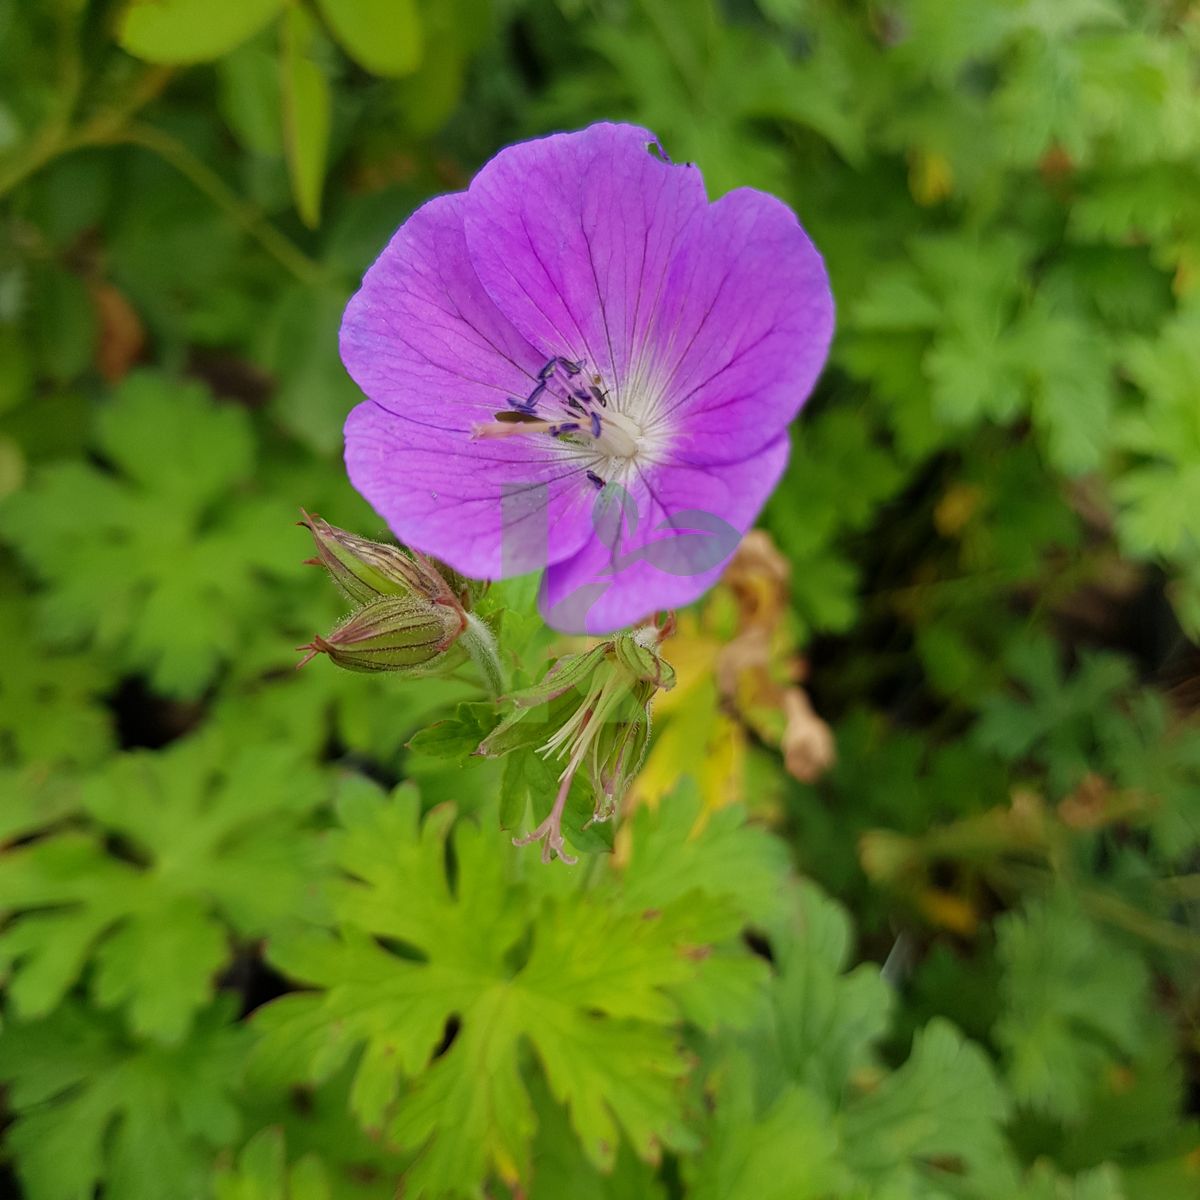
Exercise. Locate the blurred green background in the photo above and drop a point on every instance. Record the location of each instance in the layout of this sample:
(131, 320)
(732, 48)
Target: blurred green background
(952, 689)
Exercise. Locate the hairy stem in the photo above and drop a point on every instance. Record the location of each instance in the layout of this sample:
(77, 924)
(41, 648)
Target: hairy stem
(480, 644)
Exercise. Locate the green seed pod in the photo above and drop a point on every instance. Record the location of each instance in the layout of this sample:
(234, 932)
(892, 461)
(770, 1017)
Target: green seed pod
(396, 633)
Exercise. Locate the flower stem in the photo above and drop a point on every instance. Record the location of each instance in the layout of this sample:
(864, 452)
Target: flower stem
(480, 643)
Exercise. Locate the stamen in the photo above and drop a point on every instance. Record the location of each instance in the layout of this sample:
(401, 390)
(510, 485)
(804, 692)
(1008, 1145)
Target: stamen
(566, 406)
(599, 483)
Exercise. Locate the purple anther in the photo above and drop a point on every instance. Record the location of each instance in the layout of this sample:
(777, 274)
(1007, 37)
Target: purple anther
(600, 395)
(548, 369)
(571, 368)
(595, 479)
(522, 406)
(580, 394)
(537, 391)
(568, 427)
(595, 424)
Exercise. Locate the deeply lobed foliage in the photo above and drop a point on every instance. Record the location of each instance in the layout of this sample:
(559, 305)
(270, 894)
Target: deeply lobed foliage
(234, 968)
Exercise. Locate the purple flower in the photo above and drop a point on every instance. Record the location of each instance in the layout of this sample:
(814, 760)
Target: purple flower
(581, 364)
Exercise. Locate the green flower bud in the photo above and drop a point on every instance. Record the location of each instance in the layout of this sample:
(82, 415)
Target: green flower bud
(366, 570)
(396, 633)
(593, 709)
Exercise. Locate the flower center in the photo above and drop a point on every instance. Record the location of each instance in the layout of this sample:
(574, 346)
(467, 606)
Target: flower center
(571, 404)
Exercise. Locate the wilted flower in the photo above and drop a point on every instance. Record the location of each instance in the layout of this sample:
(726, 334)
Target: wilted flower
(410, 617)
(581, 321)
(593, 710)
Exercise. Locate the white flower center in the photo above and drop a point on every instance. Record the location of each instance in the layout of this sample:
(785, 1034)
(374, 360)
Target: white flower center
(571, 404)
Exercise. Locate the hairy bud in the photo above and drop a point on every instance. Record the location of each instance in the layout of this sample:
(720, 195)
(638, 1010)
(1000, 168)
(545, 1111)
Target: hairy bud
(411, 612)
(396, 633)
(365, 570)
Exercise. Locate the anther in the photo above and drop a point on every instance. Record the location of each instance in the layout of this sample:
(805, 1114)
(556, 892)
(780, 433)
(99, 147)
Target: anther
(571, 368)
(596, 480)
(548, 369)
(522, 406)
(595, 424)
(580, 394)
(537, 391)
(600, 396)
(559, 430)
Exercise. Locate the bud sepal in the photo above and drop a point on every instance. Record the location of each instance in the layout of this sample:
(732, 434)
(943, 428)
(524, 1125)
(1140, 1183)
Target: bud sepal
(396, 633)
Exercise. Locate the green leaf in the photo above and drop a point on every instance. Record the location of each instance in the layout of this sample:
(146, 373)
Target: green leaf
(248, 91)
(307, 113)
(49, 701)
(382, 36)
(828, 1021)
(262, 1173)
(1061, 720)
(1158, 758)
(93, 1107)
(803, 1107)
(1103, 1183)
(213, 848)
(598, 994)
(167, 572)
(187, 31)
(458, 736)
(791, 1150)
(944, 1106)
(34, 800)
(561, 1170)
(1075, 1002)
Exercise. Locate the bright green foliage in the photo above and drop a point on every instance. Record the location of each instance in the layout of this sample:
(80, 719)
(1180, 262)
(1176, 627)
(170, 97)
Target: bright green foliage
(208, 850)
(180, 31)
(383, 36)
(1102, 1184)
(92, 1106)
(597, 995)
(996, 353)
(1160, 495)
(48, 700)
(1076, 1005)
(160, 563)
(988, 576)
(816, 1116)
(307, 113)
(262, 1173)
